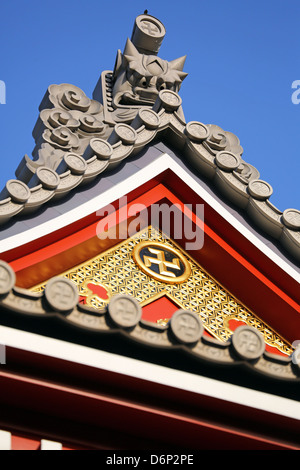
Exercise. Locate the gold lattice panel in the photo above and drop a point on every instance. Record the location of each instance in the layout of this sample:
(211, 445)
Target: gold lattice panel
(117, 271)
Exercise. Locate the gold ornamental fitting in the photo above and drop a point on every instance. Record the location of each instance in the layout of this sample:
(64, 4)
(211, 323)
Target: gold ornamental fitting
(161, 262)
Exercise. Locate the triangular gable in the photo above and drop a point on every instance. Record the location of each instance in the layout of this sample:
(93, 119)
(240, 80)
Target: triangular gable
(243, 255)
(212, 313)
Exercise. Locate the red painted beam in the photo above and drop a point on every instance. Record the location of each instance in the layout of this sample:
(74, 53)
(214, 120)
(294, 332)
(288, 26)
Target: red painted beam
(152, 422)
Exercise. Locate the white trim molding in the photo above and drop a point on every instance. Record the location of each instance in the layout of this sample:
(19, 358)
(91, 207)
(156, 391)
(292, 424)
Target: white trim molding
(155, 168)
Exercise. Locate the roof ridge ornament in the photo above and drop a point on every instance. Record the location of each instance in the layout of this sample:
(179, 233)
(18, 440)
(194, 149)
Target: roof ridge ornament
(141, 93)
(68, 119)
(148, 34)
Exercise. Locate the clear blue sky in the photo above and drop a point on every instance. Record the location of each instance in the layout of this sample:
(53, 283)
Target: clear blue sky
(242, 58)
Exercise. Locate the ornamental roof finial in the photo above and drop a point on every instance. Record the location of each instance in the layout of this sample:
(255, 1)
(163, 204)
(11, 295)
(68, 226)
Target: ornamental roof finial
(148, 34)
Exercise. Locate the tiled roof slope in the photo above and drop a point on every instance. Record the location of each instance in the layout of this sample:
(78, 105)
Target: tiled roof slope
(237, 180)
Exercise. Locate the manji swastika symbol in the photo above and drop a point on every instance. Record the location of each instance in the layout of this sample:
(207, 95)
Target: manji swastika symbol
(162, 263)
(149, 27)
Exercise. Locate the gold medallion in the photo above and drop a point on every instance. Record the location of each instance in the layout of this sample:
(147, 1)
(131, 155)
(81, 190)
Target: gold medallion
(161, 262)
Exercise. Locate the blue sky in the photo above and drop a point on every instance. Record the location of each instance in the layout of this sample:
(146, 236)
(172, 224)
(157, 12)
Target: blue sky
(242, 58)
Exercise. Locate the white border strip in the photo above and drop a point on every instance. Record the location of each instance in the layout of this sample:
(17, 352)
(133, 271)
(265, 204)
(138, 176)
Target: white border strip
(50, 445)
(162, 163)
(98, 202)
(150, 372)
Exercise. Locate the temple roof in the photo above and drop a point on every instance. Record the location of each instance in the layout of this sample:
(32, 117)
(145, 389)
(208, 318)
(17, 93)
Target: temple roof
(86, 147)
(79, 140)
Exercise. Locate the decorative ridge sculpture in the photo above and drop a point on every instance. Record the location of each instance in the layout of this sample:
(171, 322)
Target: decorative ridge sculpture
(139, 74)
(78, 138)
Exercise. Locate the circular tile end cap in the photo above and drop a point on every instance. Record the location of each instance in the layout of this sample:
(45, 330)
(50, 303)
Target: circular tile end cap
(186, 326)
(291, 219)
(197, 131)
(296, 354)
(149, 118)
(101, 148)
(7, 278)
(18, 191)
(61, 294)
(124, 310)
(227, 161)
(170, 100)
(248, 343)
(75, 163)
(260, 189)
(49, 178)
(148, 34)
(126, 133)
(150, 26)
